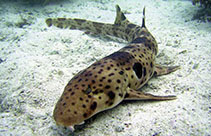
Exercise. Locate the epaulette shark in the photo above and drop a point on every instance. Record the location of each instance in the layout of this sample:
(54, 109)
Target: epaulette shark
(114, 78)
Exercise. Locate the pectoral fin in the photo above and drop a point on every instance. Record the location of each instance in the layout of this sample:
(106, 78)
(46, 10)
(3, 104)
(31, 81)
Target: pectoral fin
(137, 95)
(163, 70)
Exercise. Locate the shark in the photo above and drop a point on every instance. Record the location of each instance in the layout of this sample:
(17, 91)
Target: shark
(114, 78)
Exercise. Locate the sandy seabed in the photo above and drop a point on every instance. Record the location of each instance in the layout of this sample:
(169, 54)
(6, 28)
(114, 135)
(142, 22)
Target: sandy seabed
(36, 62)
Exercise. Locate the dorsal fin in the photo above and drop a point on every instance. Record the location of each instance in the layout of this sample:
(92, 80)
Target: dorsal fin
(120, 17)
(143, 19)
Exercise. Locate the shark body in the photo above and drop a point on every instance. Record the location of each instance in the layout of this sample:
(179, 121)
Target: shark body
(115, 78)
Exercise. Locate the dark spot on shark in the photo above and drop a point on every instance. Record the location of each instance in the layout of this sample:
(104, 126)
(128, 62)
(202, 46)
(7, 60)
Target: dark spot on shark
(126, 95)
(131, 26)
(61, 19)
(111, 95)
(151, 65)
(59, 25)
(121, 72)
(139, 40)
(115, 34)
(137, 67)
(120, 94)
(84, 106)
(72, 93)
(93, 106)
(80, 21)
(107, 86)
(118, 81)
(85, 115)
(98, 30)
(98, 25)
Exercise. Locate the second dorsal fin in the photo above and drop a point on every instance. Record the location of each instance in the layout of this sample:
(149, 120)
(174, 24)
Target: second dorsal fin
(143, 19)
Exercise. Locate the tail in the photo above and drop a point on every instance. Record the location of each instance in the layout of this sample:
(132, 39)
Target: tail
(121, 28)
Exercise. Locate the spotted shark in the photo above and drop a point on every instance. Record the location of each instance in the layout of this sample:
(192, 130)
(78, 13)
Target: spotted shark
(114, 78)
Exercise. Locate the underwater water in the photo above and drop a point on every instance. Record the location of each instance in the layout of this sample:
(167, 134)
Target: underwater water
(37, 61)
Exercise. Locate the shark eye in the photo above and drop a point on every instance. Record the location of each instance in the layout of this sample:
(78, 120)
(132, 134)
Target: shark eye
(88, 90)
